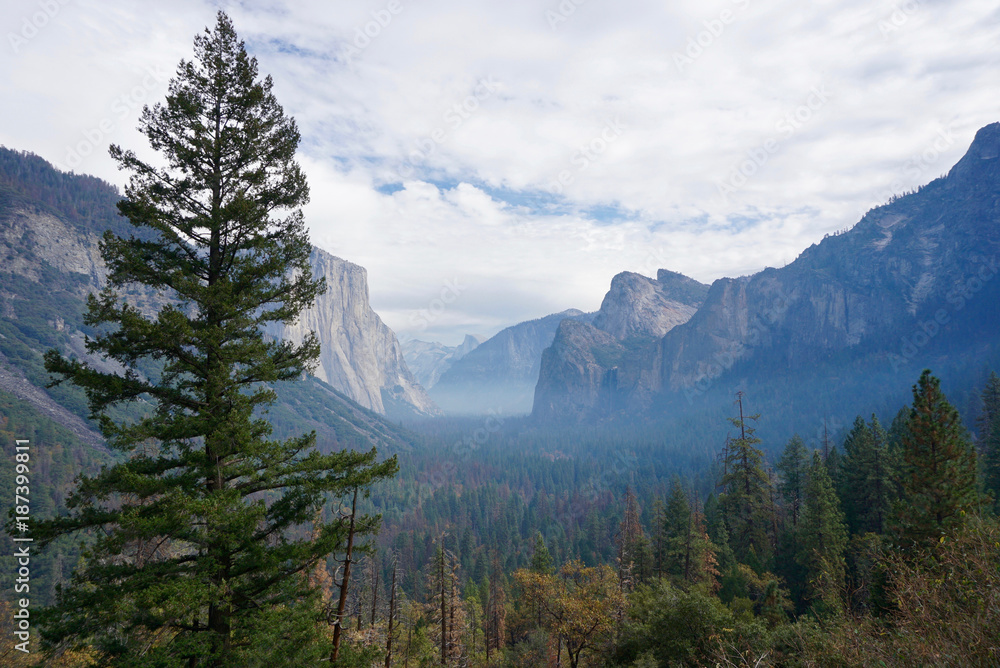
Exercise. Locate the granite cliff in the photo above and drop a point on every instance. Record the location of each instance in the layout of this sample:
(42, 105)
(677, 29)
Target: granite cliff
(50, 226)
(360, 355)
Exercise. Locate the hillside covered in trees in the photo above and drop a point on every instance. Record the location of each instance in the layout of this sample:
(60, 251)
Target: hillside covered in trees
(878, 546)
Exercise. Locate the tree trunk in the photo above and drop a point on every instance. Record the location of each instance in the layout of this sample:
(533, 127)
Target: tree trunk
(342, 601)
(375, 570)
(444, 612)
(392, 614)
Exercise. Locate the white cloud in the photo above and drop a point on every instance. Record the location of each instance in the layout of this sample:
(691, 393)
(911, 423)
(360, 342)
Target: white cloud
(472, 181)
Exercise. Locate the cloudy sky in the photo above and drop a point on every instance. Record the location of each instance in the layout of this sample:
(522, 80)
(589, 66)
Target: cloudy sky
(492, 162)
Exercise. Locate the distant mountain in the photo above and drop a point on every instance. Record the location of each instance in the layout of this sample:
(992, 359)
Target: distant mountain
(428, 360)
(500, 374)
(847, 326)
(582, 365)
(50, 225)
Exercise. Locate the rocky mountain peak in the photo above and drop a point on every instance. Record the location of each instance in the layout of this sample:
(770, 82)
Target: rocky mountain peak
(680, 288)
(981, 158)
(469, 344)
(429, 359)
(636, 305)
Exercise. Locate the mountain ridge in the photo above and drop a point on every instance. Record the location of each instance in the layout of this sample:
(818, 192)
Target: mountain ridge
(857, 297)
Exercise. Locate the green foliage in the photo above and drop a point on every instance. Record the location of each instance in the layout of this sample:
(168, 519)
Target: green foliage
(866, 487)
(677, 627)
(793, 466)
(938, 470)
(746, 501)
(55, 459)
(989, 436)
(674, 530)
(822, 540)
(541, 561)
(946, 612)
(202, 534)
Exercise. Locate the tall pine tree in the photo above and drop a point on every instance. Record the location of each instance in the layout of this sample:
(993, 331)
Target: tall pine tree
(793, 466)
(201, 536)
(938, 469)
(747, 493)
(866, 477)
(674, 530)
(988, 424)
(822, 539)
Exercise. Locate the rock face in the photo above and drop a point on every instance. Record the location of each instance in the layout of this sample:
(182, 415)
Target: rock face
(428, 360)
(577, 372)
(501, 373)
(640, 306)
(910, 285)
(50, 225)
(582, 373)
(52, 240)
(360, 355)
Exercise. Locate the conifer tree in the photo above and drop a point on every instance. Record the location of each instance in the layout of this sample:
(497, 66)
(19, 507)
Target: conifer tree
(658, 544)
(793, 465)
(715, 528)
(393, 606)
(701, 564)
(495, 610)
(988, 424)
(866, 477)
(201, 543)
(989, 411)
(822, 538)
(444, 607)
(746, 499)
(675, 529)
(938, 469)
(541, 560)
